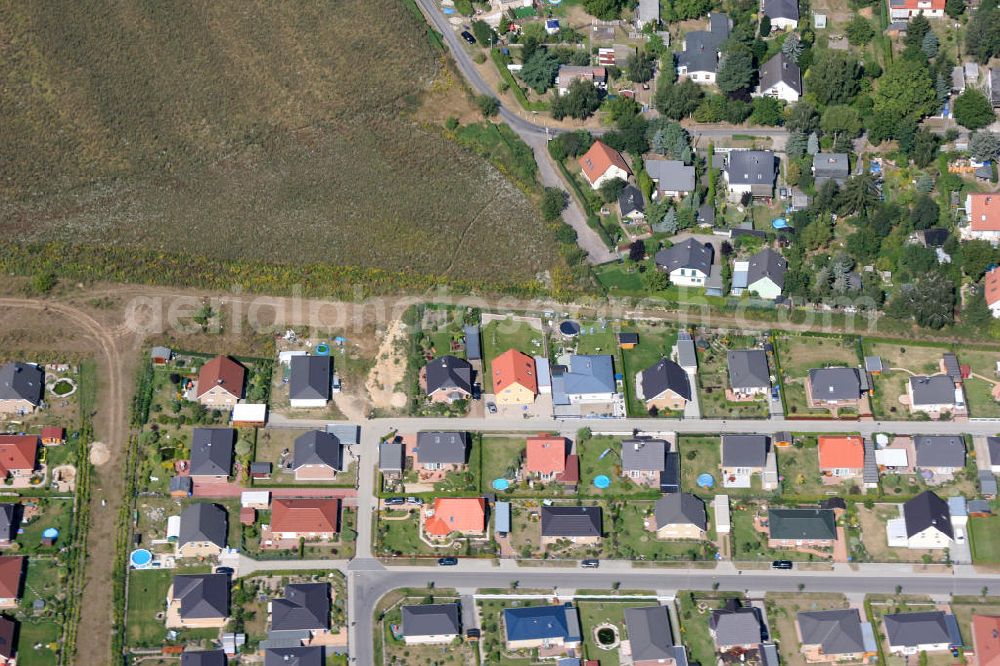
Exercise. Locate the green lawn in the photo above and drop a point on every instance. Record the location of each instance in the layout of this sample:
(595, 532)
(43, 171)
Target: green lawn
(147, 595)
(591, 466)
(600, 341)
(984, 535)
(499, 336)
(401, 537)
(978, 394)
(799, 469)
(800, 353)
(629, 538)
(654, 344)
(694, 623)
(702, 454)
(889, 386)
(501, 458)
(620, 279)
(749, 544)
(594, 613)
(38, 632)
(713, 379)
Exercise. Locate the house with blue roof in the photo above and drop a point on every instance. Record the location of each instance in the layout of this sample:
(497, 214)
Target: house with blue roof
(542, 627)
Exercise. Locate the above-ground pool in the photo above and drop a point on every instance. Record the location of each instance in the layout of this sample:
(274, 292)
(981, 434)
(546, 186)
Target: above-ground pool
(601, 481)
(50, 533)
(705, 480)
(501, 484)
(322, 349)
(140, 558)
(569, 328)
(779, 223)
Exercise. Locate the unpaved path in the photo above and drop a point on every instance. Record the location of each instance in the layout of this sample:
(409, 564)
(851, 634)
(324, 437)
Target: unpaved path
(389, 370)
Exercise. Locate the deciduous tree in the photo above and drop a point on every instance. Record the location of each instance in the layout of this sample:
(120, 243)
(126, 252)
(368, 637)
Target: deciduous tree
(973, 110)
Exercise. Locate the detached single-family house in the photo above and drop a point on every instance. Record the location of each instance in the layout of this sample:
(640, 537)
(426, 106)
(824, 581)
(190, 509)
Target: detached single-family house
(220, 383)
(590, 378)
(688, 263)
(11, 579)
(749, 375)
(545, 457)
(577, 524)
(309, 518)
(841, 457)
(742, 457)
(835, 635)
(833, 387)
(204, 528)
(934, 395)
(780, 77)
(831, 166)
(926, 631)
(22, 386)
(303, 614)
(18, 455)
(302, 655)
(791, 528)
(602, 163)
(631, 205)
(650, 640)
(515, 381)
(750, 172)
(991, 290)
(596, 76)
(644, 460)
(904, 10)
(533, 627)
(318, 456)
(431, 624)
(440, 450)
(672, 178)
(766, 274)
(982, 216)
(680, 516)
(462, 515)
(941, 454)
(928, 522)
(212, 453)
(198, 601)
(784, 14)
(986, 639)
(664, 386)
(700, 50)
(309, 385)
(736, 627)
(447, 379)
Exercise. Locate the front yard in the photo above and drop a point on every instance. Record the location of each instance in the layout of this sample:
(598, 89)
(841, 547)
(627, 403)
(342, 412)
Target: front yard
(631, 536)
(396, 651)
(782, 609)
(596, 613)
(398, 535)
(695, 609)
(984, 538)
(749, 544)
(593, 465)
(873, 535)
(713, 378)
(499, 336)
(655, 342)
(798, 354)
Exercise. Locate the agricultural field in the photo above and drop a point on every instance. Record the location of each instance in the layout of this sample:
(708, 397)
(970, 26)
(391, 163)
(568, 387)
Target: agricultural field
(173, 130)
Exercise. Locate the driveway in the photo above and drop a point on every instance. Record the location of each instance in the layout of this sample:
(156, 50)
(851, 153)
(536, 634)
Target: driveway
(692, 410)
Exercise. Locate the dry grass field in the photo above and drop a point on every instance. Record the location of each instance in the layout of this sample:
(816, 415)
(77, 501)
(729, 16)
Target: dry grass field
(251, 130)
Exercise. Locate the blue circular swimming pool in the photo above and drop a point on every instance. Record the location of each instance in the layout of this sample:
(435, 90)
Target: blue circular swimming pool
(141, 558)
(602, 481)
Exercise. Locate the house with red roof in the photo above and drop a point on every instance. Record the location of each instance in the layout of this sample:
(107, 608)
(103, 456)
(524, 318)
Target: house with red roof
(904, 10)
(515, 381)
(462, 515)
(991, 290)
(602, 163)
(220, 383)
(986, 639)
(841, 458)
(18, 455)
(309, 518)
(53, 436)
(982, 217)
(11, 580)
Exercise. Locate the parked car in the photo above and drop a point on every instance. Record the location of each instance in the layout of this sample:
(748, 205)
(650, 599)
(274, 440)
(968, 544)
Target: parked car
(393, 501)
(467, 36)
(959, 536)
(414, 500)
(447, 561)
(225, 570)
(472, 634)
(590, 564)
(491, 407)
(781, 564)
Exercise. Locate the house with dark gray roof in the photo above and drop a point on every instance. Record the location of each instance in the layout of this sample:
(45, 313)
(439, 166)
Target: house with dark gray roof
(22, 386)
(927, 521)
(631, 205)
(649, 636)
(749, 374)
(700, 50)
(941, 454)
(473, 347)
(9, 520)
(431, 623)
(203, 658)
(791, 528)
(578, 524)
(663, 386)
(672, 178)
(834, 387)
(441, 450)
(766, 274)
(993, 448)
(736, 627)
(447, 379)
(925, 631)
(833, 633)
(588, 379)
(644, 459)
(390, 458)
(750, 172)
(934, 395)
(309, 383)
(831, 166)
(303, 613)
(688, 263)
(781, 78)
(318, 456)
(198, 601)
(680, 516)
(294, 656)
(203, 530)
(745, 452)
(784, 14)
(212, 452)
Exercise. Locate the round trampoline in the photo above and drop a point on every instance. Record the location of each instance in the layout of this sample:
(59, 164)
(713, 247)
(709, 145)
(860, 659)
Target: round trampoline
(322, 349)
(705, 480)
(501, 484)
(569, 328)
(140, 558)
(602, 481)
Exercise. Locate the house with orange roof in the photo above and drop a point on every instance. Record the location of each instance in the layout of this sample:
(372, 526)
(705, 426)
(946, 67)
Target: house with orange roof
(545, 457)
(18, 455)
(991, 290)
(982, 216)
(515, 381)
(464, 515)
(986, 639)
(220, 383)
(841, 458)
(602, 163)
(309, 518)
